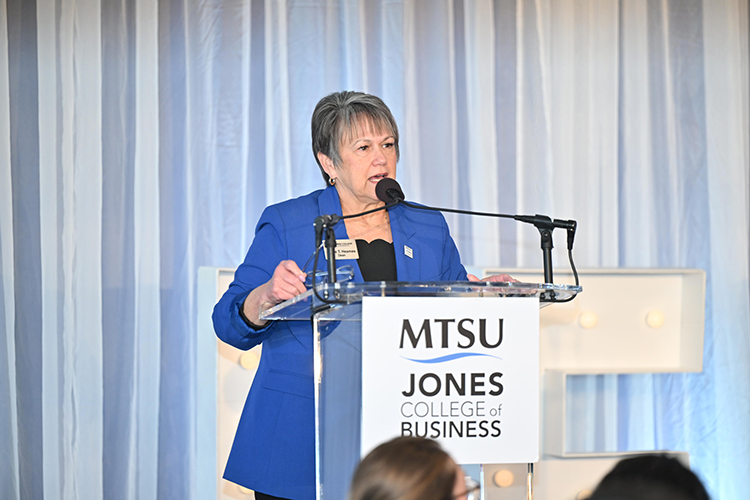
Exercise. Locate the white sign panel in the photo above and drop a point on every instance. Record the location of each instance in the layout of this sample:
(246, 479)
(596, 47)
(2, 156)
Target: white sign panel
(463, 371)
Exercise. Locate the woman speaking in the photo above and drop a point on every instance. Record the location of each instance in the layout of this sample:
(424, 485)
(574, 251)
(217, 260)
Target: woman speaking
(355, 143)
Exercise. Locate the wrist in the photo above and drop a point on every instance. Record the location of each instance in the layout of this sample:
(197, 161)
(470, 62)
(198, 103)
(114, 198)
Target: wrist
(248, 322)
(264, 306)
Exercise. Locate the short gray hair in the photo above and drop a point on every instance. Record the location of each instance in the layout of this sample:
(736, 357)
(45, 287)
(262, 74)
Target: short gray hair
(340, 114)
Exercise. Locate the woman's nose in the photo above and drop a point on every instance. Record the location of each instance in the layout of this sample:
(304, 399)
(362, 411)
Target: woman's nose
(379, 157)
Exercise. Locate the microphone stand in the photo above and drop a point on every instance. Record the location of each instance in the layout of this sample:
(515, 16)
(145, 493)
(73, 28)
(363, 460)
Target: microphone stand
(543, 223)
(545, 231)
(331, 247)
(327, 223)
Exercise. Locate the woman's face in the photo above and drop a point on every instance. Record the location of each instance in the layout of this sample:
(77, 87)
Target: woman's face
(367, 156)
(459, 487)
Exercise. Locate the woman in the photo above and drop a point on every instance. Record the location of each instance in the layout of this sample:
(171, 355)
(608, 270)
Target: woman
(355, 143)
(410, 468)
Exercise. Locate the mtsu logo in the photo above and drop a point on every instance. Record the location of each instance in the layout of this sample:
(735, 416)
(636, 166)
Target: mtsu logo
(465, 333)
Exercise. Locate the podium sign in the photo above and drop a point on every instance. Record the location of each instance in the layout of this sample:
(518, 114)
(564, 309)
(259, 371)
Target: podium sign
(461, 370)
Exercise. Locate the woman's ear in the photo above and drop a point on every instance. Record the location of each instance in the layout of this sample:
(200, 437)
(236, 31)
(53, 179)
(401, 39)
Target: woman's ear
(327, 165)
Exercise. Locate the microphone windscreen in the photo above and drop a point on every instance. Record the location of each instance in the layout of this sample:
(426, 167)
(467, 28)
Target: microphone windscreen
(388, 190)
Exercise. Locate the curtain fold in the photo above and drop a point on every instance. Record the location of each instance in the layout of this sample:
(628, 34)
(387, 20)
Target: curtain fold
(141, 139)
(9, 476)
(24, 234)
(50, 216)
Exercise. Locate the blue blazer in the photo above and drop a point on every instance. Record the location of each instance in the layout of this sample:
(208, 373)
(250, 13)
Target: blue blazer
(274, 447)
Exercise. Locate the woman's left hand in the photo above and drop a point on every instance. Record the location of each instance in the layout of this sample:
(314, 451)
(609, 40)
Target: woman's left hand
(507, 278)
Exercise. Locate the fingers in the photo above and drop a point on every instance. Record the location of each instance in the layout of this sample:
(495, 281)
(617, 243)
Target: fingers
(472, 277)
(287, 282)
(293, 268)
(502, 277)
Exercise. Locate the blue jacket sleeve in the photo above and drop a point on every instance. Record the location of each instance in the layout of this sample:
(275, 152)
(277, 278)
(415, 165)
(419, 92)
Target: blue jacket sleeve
(265, 253)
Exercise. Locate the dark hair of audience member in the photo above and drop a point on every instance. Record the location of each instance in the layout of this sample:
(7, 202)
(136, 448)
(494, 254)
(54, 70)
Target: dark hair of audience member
(405, 468)
(650, 477)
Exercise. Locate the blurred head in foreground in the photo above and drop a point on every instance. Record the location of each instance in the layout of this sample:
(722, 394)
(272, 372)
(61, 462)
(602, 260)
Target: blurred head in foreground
(650, 477)
(410, 468)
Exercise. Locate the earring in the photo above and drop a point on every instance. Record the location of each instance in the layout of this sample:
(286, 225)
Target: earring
(332, 181)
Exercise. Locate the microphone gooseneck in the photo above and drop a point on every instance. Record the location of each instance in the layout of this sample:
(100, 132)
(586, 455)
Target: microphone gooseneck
(389, 191)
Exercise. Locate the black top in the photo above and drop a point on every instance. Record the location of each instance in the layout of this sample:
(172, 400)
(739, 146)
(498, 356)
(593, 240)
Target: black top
(377, 260)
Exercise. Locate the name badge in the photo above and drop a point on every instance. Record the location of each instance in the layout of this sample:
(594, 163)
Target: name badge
(346, 250)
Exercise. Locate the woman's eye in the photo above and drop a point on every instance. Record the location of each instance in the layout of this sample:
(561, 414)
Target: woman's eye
(363, 148)
(388, 145)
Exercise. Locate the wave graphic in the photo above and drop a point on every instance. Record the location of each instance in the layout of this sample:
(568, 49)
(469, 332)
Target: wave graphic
(450, 357)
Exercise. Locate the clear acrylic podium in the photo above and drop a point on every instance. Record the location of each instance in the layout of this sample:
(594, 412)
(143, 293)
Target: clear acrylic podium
(338, 358)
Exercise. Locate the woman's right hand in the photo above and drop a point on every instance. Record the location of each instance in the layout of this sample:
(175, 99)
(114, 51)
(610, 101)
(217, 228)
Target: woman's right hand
(287, 282)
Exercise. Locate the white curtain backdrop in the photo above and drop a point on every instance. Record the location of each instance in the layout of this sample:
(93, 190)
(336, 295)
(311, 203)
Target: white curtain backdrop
(140, 139)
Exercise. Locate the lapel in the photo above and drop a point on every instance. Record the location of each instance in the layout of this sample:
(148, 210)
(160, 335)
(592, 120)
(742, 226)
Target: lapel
(404, 235)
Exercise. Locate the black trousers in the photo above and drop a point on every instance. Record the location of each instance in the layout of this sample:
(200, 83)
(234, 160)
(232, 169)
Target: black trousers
(263, 496)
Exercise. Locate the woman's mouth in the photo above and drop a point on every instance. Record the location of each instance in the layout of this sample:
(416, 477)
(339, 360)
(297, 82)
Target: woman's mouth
(377, 178)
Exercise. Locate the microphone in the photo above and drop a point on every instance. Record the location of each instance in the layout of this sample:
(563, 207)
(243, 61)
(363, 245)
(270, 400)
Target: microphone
(388, 191)
(321, 222)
